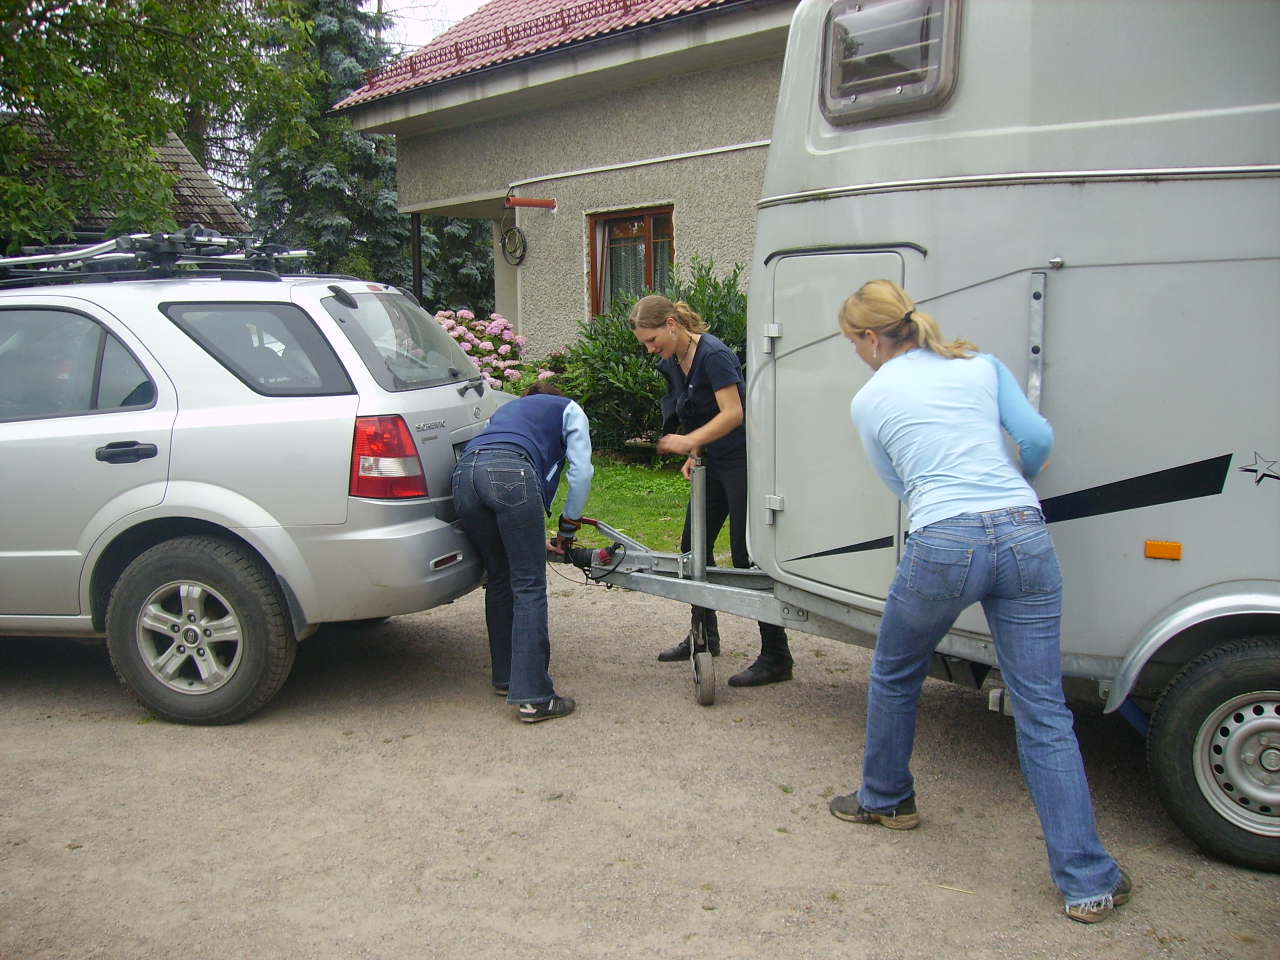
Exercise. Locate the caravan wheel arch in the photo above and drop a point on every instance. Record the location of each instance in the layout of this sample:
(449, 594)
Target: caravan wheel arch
(1193, 626)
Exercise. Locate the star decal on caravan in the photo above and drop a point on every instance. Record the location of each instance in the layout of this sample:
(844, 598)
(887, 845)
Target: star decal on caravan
(1261, 468)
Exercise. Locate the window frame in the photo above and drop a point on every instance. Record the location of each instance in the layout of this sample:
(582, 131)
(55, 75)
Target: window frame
(596, 232)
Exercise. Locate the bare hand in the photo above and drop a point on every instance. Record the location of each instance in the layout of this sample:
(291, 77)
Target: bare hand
(675, 443)
(687, 470)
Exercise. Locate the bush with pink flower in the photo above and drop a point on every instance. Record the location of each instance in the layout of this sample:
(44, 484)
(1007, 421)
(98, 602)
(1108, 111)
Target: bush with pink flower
(494, 347)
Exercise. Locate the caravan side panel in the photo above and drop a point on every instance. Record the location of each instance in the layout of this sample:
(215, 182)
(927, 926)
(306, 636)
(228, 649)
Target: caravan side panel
(1134, 188)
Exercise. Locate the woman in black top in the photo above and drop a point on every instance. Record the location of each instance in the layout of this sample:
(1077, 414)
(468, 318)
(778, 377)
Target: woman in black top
(704, 402)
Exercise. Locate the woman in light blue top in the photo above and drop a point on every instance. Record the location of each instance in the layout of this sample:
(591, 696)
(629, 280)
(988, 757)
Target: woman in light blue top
(932, 420)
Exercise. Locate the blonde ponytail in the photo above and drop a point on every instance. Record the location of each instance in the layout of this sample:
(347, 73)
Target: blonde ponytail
(883, 306)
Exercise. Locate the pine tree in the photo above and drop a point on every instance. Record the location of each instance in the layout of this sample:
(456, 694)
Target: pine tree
(335, 196)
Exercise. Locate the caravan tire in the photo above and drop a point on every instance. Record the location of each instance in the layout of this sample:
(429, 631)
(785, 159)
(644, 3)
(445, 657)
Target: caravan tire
(1214, 752)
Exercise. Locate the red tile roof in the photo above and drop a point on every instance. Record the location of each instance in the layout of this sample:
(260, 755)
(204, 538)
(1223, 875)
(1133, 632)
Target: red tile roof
(506, 30)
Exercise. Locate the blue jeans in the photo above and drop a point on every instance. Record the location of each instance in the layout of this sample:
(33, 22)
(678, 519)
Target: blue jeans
(1005, 560)
(498, 496)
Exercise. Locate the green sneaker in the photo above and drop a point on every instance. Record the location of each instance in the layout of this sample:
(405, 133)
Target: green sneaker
(902, 817)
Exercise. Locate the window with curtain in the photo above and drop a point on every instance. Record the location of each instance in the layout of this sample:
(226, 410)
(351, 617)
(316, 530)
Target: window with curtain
(632, 252)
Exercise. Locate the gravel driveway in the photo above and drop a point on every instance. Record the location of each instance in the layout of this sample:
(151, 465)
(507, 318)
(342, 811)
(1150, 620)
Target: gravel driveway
(387, 805)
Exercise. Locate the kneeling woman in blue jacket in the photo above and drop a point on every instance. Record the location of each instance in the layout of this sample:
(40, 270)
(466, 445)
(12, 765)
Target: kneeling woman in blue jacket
(503, 486)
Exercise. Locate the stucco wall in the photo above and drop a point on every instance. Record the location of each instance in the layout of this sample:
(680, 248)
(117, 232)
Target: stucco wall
(713, 196)
(714, 216)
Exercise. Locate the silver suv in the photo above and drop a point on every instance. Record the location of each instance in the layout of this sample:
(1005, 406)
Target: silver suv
(204, 460)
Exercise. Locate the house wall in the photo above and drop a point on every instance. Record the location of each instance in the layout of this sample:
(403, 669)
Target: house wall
(713, 196)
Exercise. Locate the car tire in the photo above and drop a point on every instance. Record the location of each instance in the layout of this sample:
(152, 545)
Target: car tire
(199, 631)
(1214, 752)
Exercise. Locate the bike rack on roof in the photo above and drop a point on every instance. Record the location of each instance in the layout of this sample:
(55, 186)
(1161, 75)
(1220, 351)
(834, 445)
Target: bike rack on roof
(141, 256)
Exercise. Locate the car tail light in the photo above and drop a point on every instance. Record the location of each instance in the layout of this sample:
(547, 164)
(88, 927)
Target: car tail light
(384, 460)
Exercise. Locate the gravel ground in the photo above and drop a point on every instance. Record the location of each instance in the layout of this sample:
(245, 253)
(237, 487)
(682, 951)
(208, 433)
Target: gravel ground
(387, 805)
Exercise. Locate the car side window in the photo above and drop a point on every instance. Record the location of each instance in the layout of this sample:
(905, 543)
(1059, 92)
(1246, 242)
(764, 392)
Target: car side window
(122, 382)
(55, 363)
(273, 348)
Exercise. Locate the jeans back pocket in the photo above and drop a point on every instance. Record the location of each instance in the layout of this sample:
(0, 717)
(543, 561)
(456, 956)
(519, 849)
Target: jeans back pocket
(1038, 568)
(510, 485)
(937, 573)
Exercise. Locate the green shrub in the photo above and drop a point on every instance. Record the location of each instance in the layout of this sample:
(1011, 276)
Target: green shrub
(618, 384)
(720, 301)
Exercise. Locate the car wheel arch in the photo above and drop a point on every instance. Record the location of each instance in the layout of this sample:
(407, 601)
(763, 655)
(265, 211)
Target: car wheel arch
(129, 544)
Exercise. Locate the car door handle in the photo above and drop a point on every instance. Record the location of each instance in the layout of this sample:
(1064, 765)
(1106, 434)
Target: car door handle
(126, 451)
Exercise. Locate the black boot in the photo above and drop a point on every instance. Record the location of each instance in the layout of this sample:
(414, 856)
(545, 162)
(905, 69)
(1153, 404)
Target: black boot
(774, 663)
(711, 626)
(679, 652)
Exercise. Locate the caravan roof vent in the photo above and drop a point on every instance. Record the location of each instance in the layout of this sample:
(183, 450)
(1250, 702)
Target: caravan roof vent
(882, 57)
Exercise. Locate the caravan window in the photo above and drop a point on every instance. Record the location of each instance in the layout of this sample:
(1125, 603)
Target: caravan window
(882, 57)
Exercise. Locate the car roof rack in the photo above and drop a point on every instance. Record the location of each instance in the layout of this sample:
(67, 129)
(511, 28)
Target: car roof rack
(195, 251)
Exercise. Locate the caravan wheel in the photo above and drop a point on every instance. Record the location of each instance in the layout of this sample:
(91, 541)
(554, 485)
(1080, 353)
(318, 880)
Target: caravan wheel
(1214, 752)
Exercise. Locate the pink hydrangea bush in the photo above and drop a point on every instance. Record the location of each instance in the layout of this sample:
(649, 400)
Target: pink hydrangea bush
(494, 347)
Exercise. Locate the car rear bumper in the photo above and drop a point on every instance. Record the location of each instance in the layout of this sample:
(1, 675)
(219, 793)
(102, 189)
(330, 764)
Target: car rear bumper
(353, 573)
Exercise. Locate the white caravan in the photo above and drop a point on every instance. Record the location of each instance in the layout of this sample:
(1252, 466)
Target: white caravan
(1091, 191)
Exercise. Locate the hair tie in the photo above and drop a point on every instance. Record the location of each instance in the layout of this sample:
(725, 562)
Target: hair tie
(906, 317)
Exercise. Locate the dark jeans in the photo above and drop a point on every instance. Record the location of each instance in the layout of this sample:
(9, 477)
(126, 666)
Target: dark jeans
(727, 500)
(498, 497)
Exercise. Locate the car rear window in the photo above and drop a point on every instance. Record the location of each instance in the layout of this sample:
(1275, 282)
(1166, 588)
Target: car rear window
(274, 348)
(401, 344)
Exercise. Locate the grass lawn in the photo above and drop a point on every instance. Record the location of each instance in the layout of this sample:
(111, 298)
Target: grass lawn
(646, 503)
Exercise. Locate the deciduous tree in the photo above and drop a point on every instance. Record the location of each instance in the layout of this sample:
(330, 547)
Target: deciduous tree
(89, 89)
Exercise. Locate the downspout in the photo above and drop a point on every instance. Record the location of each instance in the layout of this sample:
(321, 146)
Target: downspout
(415, 220)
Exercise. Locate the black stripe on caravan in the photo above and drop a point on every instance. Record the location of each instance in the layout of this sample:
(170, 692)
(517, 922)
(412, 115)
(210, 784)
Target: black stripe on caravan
(1203, 479)
(853, 548)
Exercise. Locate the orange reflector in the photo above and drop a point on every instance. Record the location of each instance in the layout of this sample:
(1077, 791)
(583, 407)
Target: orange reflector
(1164, 550)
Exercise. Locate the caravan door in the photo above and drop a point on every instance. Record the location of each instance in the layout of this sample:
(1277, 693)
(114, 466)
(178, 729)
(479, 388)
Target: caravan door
(837, 530)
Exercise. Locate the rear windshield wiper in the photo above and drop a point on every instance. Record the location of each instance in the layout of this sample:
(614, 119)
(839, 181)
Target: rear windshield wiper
(475, 383)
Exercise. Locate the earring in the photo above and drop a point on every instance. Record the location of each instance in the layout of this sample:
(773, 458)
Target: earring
(875, 351)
